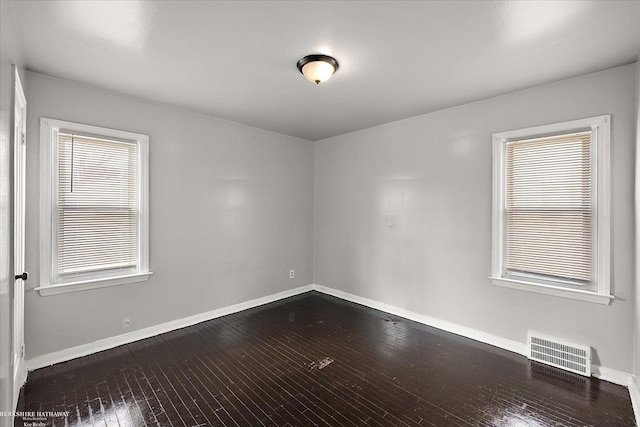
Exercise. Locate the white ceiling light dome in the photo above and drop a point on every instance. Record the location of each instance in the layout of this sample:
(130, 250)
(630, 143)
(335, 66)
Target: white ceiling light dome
(318, 68)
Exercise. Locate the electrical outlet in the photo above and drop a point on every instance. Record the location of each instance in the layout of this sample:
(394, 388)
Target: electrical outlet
(126, 322)
(292, 274)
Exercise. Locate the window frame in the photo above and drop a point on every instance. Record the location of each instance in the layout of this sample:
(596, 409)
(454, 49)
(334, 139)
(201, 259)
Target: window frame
(599, 291)
(49, 129)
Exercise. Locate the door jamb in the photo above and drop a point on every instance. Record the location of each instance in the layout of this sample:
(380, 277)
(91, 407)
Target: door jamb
(18, 375)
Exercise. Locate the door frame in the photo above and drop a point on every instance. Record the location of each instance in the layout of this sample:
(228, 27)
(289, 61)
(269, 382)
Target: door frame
(18, 365)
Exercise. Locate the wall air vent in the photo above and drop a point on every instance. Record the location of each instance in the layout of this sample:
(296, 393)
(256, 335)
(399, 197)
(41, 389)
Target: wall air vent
(559, 353)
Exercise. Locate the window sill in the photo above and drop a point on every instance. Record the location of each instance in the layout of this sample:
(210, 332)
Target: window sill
(552, 290)
(85, 285)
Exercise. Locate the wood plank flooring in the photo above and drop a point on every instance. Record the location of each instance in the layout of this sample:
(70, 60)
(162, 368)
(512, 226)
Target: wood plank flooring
(317, 360)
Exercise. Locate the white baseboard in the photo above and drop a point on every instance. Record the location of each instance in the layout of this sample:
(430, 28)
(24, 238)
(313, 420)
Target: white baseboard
(494, 340)
(612, 375)
(634, 392)
(18, 382)
(603, 373)
(607, 374)
(107, 343)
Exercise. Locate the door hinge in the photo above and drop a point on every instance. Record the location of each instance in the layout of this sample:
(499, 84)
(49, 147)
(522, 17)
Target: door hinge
(23, 138)
(22, 352)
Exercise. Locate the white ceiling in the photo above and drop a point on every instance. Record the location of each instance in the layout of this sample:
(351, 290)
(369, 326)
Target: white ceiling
(237, 60)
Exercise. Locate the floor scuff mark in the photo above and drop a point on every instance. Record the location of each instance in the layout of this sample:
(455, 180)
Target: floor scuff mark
(320, 364)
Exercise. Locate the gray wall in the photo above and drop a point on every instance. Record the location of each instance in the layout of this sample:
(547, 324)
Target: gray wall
(231, 212)
(403, 215)
(9, 54)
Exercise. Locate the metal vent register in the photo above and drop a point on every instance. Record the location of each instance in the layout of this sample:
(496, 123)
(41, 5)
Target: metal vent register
(559, 353)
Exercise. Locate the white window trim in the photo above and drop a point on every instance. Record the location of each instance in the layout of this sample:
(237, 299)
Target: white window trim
(48, 164)
(601, 293)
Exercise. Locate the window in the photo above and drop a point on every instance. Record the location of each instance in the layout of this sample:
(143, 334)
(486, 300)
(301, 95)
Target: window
(551, 209)
(95, 217)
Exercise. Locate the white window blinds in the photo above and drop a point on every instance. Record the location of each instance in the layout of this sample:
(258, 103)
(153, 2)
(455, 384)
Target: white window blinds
(97, 205)
(549, 207)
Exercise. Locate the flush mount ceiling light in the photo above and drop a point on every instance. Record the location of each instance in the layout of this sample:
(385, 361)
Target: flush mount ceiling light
(318, 68)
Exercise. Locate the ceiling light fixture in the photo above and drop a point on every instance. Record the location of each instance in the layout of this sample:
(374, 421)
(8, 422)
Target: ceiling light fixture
(318, 68)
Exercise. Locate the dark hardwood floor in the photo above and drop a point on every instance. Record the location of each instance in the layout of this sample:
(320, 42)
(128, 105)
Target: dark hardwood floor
(317, 360)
